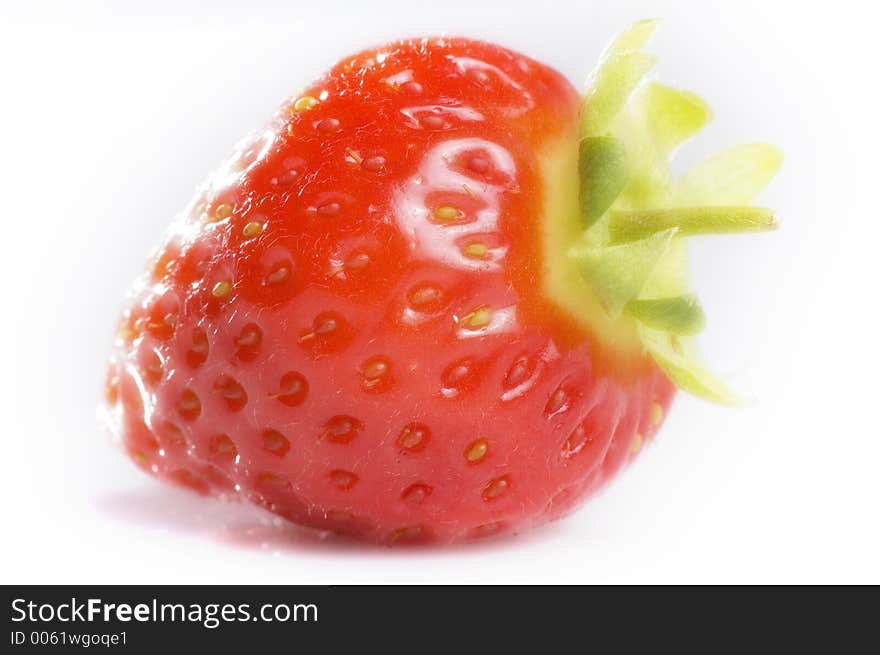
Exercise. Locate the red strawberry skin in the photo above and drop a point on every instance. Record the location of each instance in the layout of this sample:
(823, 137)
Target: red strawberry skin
(349, 324)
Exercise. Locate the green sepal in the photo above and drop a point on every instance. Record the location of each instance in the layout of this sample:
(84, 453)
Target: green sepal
(618, 273)
(680, 315)
(610, 87)
(682, 366)
(734, 176)
(633, 39)
(671, 116)
(603, 173)
(620, 70)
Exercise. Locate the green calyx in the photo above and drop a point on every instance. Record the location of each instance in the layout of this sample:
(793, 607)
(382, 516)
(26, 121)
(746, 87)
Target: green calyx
(637, 216)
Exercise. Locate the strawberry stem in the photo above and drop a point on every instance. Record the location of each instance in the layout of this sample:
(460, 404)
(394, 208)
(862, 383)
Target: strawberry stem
(635, 214)
(626, 225)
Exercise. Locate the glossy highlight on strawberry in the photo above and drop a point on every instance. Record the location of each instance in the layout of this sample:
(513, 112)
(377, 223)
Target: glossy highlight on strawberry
(385, 316)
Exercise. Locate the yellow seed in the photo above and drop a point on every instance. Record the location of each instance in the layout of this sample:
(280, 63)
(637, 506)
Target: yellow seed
(636, 445)
(252, 229)
(414, 436)
(125, 333)
(424, 295)
(354, 155)
(477, 319)
(305, 103)
(272, 481)
(476, 250)
(278, 276)
(477, 450)
(222, 289)
(495, 488)
(357, 261)
(223, 211)
(189, 402)
(468, 190)
(656, 413)
(375, 368)
(447, 213)
(407, 534)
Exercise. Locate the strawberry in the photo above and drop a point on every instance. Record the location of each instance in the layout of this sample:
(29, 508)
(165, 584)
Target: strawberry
(440, 297)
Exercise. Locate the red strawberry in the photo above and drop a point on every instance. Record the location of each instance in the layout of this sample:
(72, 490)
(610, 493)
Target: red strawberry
(439, 297)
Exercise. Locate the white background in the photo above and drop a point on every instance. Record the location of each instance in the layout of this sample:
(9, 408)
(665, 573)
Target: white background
(110, 118)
